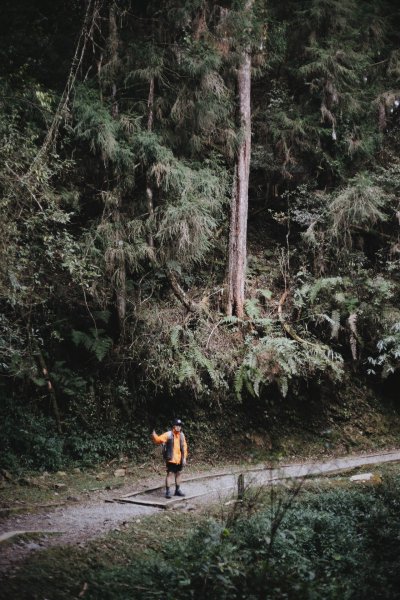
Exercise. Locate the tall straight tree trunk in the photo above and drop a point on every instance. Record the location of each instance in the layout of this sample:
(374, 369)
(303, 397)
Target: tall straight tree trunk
(119, 251)
(240, 196)
(149, 189)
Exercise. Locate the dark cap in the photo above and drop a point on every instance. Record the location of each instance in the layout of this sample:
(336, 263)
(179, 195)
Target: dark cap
(177, 422)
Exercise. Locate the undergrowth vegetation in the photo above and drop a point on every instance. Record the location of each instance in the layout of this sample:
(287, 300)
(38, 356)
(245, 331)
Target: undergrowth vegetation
(335, 544)
(323, 544)
(30, 443)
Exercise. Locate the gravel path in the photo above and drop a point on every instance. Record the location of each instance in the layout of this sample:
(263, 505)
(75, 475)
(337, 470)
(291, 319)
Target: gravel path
(83, 521)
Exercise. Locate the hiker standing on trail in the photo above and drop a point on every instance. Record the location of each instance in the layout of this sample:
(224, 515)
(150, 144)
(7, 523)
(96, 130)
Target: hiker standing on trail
(175, 455)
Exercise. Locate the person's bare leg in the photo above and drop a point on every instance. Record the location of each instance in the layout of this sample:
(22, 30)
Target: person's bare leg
(168, 482)
(177, 484)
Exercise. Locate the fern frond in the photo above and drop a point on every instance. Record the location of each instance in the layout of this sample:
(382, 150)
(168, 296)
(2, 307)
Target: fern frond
(264, 293)
(283, 384)
(230, 320)
(186, 371)
(239, 381)
(335, 322)
(95, 341)
(174, 336)
(324, 283)
(204, 362)
(252, 308)
(265, 323)
(360, 203)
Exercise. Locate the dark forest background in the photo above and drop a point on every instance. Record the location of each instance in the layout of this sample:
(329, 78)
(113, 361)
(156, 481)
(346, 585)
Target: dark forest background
(120, 130)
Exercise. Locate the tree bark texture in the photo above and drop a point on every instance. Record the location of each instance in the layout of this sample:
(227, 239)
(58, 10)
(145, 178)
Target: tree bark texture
(149, 189)
(45, 372)
(119, 252)
(240, 196)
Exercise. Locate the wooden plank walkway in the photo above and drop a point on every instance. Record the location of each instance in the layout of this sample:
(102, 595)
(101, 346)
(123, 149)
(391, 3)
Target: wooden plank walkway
(223, 483)
(165, 504)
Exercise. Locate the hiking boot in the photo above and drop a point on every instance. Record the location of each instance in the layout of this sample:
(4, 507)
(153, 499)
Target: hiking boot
(168, 494)
(178, 492)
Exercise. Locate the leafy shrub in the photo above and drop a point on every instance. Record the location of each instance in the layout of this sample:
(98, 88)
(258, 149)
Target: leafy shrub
(89, 449)
(336, 544)
(280, 359)
(28, 441)
(388, 359)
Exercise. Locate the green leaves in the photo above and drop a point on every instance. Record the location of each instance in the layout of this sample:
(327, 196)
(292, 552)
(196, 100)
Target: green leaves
(252, 308)
(361, 203)
(104, 134)
(279, 359)
(387, 360)
(185, 225)
(191, 365)
(95, 341)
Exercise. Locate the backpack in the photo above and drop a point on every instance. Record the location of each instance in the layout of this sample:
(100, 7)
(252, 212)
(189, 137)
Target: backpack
(164, 447)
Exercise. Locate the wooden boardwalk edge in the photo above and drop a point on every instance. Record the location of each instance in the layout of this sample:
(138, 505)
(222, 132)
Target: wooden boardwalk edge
(158, 504)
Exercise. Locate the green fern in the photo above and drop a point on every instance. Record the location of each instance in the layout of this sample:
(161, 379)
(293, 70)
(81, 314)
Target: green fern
(325, 283)
(238, 381)
(278, 359)
(102, 315)
(68, 380)
(263, 323)
(174, 336)
(230, 320)
(388, 359)
(361, 203)
(205, 363)
(283, 384)
(252, 308)
(95, 341)
(264, 293)
(186, 371)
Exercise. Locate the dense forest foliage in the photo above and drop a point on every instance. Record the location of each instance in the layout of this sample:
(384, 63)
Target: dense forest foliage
(122, 130)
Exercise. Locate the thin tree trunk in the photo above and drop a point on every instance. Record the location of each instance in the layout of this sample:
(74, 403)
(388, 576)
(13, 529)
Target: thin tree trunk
(120, 264)
(232, 251)
(149, 189)
(50, 388)
(51, 391)
(240, 197)
(120, 270)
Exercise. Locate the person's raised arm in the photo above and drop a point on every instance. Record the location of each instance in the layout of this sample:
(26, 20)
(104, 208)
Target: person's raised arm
(159, 439)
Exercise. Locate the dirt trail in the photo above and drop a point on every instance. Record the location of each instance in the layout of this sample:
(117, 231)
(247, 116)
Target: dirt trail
(80, 522)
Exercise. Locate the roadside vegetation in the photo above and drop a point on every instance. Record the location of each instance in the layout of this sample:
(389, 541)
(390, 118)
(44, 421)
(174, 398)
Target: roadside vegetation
(317, 539)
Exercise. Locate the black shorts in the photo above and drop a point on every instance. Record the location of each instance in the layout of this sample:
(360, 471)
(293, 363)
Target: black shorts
(173, 467)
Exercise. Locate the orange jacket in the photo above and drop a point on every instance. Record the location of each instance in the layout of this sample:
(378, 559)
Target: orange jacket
(177, 455)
